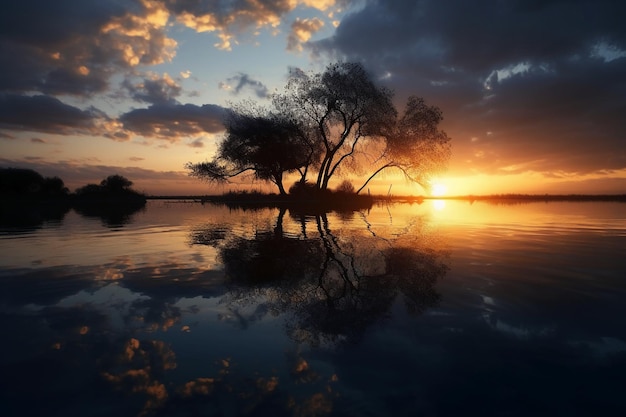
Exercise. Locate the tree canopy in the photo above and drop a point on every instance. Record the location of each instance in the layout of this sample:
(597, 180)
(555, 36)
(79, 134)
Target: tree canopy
(330, 123)
(27, 182)
(268, 145)
(116, 183)
(114, 187)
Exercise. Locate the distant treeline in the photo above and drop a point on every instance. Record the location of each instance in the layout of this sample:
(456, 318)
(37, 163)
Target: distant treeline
(20, 184)
(518, 198)
(510, 198)
(547, 197)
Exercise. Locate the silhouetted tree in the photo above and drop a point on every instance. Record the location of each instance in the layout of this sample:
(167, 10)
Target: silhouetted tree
(54, 186)
(89, 189)
(345, 187)
(337, 119)
(27, 199)
(341, 107)
(268, 145)
(111, 186)
(116, 183)
(112, 200)
(415, 146)
(22, 182)
(19, 181)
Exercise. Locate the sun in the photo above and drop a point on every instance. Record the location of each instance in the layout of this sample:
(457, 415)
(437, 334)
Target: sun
(439, 189)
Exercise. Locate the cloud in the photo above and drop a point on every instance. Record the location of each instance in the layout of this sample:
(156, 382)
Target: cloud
(322, 4)
(174, 121)
(242, 81)
(197, 144)
(45, 48)
(301, 32)
(49, 51)
(140, 38)
(228, 20)
(42, 113)
(164, 119)
(154, 89)
(543, 77)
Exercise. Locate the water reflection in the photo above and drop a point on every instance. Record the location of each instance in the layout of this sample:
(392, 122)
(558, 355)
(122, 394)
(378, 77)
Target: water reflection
(334, 285)
(192, 310)
(18, 217)
(111, 215)
(439, 205)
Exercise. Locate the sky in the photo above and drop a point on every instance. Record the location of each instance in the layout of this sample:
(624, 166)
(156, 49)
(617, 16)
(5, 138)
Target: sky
(533, 92)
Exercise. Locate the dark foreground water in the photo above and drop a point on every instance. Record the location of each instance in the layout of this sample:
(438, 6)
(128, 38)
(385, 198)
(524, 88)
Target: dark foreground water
(439, 309)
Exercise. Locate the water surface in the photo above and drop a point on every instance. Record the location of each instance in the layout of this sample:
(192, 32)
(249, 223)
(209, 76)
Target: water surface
(443, 308)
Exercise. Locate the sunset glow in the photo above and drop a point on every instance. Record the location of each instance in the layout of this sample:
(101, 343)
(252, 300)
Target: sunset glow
(439, 189)
(140, 88)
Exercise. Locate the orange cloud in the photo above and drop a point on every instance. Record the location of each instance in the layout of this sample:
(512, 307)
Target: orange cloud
(250, 15)
(301, 31)
(140, 39)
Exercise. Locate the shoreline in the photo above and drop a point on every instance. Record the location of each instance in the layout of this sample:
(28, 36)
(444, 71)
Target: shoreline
(273, 198)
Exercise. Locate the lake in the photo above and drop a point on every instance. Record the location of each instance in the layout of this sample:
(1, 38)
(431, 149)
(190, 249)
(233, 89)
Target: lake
(443, 308)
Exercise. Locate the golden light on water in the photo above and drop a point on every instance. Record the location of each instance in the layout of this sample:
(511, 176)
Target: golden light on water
(439, 205)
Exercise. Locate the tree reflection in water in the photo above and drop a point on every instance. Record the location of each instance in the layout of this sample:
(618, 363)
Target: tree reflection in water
(334, 285)
(112, 215)
(120, 337)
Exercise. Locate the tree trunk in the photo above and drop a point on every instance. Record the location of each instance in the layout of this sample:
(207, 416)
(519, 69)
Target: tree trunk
(320, 174)
(278, 180)
(281, 188)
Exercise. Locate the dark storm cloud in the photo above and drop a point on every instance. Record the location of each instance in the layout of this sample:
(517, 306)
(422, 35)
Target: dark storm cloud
(174, 121)
(69, 47)
(43, 45)
(45, 114)
(564, 117)
(242, 81)
(42, 22)
(476, 36)
(537, 84)
(154, 90)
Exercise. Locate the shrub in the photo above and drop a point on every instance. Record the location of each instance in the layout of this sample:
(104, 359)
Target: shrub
(346, 187)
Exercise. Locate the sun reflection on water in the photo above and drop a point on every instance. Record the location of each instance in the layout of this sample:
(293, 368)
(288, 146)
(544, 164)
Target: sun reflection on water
(438, 205)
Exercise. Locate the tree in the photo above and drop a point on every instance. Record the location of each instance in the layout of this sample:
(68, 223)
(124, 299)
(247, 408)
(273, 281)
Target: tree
(20, 181)
(341, 107)
(27, 182)
(116, 183)
(330, 121)
(54, 186)
(268, 145)
(415, 146)
(114, 186)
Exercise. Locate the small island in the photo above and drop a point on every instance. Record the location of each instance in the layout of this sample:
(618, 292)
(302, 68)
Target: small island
(29, 198)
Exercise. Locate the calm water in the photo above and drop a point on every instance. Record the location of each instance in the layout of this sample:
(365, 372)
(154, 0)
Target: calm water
(439, 309)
